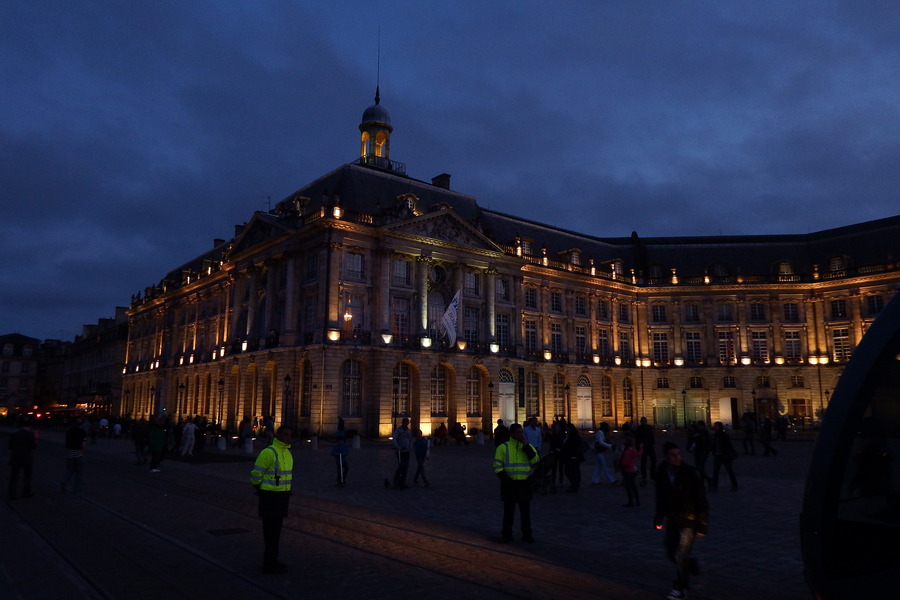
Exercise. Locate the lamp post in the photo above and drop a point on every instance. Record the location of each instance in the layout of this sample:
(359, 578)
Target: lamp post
(153, 408)
(219, 407)
(684, 407)
(181, 400)
(287, 409)
(568, 404)
(490, 418)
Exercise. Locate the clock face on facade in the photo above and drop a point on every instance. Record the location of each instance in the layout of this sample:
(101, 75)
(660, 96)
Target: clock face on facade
(438, 274)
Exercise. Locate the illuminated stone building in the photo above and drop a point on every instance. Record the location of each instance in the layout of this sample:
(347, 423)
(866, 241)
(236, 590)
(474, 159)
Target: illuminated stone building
(330, 305)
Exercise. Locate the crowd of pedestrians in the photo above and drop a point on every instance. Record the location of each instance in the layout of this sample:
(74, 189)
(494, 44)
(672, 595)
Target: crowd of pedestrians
(627, 458)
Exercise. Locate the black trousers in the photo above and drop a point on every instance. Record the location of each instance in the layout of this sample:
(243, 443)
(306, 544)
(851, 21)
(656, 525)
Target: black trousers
(25, 470)
(402, 468)
(271, 540)
(509, 513)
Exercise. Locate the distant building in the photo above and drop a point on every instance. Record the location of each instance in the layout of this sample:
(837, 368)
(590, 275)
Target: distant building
(92, 366)
(335, 304)
(19, 362)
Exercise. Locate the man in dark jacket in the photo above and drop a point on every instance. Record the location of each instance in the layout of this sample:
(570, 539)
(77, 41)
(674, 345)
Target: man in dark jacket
(21, 458)
(681, 504)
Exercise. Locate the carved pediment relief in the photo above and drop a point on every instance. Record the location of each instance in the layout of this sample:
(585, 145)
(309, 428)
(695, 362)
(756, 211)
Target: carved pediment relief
(444, 226)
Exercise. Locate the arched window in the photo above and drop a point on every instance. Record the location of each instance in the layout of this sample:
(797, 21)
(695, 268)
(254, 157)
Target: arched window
(439, 391)
(351, 389)
(532, 393)
(400, 403)
(473, 392)
(628, 398)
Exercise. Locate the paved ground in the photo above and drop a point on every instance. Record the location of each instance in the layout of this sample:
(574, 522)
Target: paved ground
(191, 531)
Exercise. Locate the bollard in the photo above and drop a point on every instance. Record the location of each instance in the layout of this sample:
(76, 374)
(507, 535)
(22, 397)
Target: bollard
(248, 445)
(220, 444)
(356, 442)
(314, 443)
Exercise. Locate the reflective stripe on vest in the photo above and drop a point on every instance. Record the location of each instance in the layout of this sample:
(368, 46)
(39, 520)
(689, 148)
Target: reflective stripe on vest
(275, 478)
(517, 465)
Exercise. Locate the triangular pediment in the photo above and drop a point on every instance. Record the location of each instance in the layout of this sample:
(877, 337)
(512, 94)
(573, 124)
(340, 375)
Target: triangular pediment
(444, 226)
(257, 231)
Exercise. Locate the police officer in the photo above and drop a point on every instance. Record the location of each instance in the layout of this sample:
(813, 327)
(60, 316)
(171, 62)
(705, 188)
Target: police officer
(271, 476)
(514, 462)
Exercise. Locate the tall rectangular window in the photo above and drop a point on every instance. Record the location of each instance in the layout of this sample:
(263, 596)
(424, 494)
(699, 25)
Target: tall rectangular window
(661, 348)
(606, 397)
(792, 348)
(556, 338)
(624, 313)
(693, 352)
(400, 317)
(724, 313)
(874, 305)
(501, 331)
(351, 389)
(556, 302)
(757, 312)
(402, 272)
(581, 306)
(603, 310)
(691, 313)
(530, 336)
(726, 347)
(791, 312)
(840, 341)
(532, 391)
(501, 288)
(473, 393)
(658, 313)
(354, 266)
(472, 284)
(439, 391)
(531, 298)
(603, 347)
(838, 309)
(471, 319)
(580, 340)
(625, 345)
(759, 346)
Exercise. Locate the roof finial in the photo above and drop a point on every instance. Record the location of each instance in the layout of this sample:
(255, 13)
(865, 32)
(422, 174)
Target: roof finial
(378, 70)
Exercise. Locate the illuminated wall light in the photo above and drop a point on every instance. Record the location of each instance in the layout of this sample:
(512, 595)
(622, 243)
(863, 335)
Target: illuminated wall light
(745, 360)
(461, 344)
(674, 277)
(214, 354)
(779, 360)
(813, 360)
(387, 337)
(596, 359)
(823, 360)
(679, 362)
(338, 212)
(191, 359)
(495, 347)
(244, 346)
(426, 342)
(334, 334)
(180, 360)
(617, 360)
(547, 355)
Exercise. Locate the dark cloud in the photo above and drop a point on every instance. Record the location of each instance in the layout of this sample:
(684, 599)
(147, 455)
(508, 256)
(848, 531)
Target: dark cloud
(133, 133)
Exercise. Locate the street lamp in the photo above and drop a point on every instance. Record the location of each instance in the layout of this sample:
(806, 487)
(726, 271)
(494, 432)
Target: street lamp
(684, 407)
(568, 404)
(287, 409)
(491, 411)
(181, 400)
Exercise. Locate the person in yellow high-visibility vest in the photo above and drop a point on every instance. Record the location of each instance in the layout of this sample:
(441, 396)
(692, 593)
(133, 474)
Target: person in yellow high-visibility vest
(271, 476)
(514, 462)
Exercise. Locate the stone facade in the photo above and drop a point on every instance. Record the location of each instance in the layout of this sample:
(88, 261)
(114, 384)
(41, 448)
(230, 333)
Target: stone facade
(331, 305)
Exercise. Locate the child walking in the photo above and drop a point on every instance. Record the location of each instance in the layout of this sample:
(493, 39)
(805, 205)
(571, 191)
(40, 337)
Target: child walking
(422, 448)
(630, 458)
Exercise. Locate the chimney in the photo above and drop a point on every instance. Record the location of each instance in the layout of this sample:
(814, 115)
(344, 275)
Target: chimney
(441, 181)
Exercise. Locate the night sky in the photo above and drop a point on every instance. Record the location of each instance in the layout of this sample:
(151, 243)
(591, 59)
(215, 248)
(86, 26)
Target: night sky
(134, 133)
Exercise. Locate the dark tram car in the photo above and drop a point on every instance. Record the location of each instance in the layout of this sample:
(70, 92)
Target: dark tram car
(850, 523)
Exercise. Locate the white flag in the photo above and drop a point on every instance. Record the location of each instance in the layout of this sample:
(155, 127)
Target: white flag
(451, 316)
